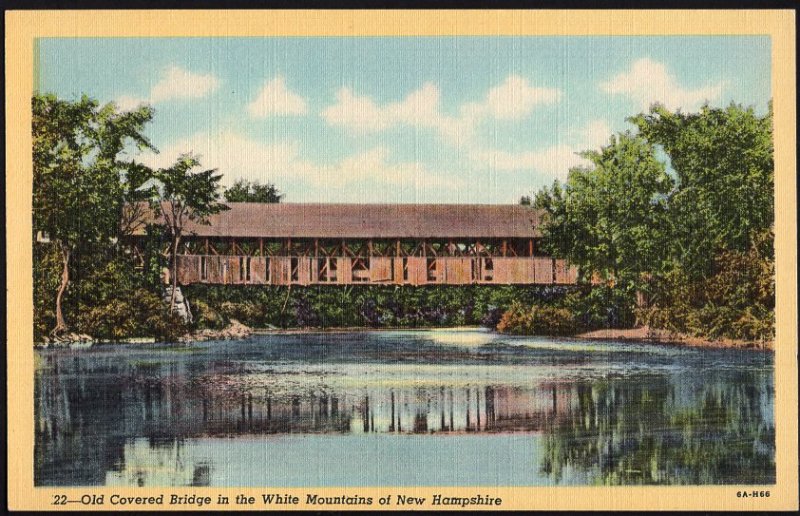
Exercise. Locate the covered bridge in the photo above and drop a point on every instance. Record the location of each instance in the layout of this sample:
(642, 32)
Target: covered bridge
(401, 244)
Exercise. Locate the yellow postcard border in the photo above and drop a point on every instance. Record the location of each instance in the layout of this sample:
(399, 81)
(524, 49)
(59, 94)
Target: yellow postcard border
(23, 27)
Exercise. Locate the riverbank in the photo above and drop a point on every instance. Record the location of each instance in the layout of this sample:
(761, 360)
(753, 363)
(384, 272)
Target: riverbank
(239, 331)
(656, 336)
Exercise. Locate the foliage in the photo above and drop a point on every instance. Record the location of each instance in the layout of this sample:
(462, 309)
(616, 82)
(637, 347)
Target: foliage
(46, 278)
(207, 317)
(737, 301)
(609, 218)
(366, 305)
(247, 191)
(723, 167)
(139, 314)
(602, 307)
(536, 320)
(185, 195)
(81, 182)
(693, 237)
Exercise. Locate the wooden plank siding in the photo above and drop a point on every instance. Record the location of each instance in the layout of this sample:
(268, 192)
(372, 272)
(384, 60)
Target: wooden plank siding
(381, 270)
(258, 270)
(457, 271)
(417, 271)
(543, 271)
(386, 270)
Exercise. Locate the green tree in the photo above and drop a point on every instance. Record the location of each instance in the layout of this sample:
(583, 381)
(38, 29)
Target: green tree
(81, 181)
(609, 218)
(247, 191)
(187, 195)
(723, 168)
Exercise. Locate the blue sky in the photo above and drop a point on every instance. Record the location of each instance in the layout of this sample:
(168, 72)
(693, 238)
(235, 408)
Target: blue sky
(405, 119)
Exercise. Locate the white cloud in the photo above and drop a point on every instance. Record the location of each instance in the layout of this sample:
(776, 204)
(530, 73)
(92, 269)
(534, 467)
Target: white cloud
(127, 102)
(420, 108)
(553, 161)
(175, 83)
(649, 81)
(593, 135)
(515, 98)
(275, 99)
(240, 157)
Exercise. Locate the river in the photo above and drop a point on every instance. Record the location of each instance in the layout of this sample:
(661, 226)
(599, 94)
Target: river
(400, 408)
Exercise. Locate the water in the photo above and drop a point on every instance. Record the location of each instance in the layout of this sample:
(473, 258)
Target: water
(435, 408)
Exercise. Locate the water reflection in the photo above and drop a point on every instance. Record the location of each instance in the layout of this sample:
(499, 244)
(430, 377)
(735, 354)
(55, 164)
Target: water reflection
(150, 417)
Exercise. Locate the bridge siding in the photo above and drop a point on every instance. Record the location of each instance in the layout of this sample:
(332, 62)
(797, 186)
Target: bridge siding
(383, 270)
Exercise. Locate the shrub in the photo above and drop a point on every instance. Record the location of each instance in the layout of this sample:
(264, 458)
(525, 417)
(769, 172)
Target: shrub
(141, 314)
(207, 317)
(537, 320)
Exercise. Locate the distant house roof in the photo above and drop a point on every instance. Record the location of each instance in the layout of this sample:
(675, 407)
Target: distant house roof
(249, 220)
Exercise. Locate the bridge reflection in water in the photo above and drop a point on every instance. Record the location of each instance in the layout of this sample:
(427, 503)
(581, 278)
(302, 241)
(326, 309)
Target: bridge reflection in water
(108, 418)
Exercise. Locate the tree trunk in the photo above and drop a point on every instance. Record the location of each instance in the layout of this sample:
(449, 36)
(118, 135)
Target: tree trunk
(174, 278)
(61, 325)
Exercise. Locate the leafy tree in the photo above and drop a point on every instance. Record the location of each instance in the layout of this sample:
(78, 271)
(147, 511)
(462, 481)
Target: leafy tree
(187, 195)
(81, 180)
(723, 167)
(246, 191)
(525, 200)
(609, 218)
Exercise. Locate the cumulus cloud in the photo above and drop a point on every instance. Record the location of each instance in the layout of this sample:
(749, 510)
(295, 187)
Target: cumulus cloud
(175, 83)
(240, 157)
(275, 99)
(649, 81)
(516, 98)
(553, 161)
(513, 99)
(419, 109)
(593, 135)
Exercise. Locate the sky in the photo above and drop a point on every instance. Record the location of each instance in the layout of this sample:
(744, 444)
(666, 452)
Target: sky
(401, 119)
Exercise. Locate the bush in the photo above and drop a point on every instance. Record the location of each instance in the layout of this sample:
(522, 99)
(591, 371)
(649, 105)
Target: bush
(735, 301)
(143, 314)
(206, 317)
(537, 320)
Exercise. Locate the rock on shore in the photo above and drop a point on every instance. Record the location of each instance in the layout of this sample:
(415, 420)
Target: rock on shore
(66, 340)
(235, 331)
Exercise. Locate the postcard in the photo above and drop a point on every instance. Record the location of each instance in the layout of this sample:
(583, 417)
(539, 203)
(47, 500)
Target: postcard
(401, 260)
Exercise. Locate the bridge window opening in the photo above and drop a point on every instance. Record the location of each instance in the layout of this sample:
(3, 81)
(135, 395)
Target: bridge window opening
(295, 266)
(391, 269)
(267, 274)
(203, 268)
(405, 269)
(431, 262)
(322, 269)
(244, 268)
(361, 270)
(488, 269)
(333, 265)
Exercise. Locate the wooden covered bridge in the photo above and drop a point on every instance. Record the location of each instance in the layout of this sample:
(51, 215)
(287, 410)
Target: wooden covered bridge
(344, 244)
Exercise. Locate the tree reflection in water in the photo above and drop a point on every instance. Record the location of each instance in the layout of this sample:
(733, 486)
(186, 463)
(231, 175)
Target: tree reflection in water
(669, 420)
(637, 431)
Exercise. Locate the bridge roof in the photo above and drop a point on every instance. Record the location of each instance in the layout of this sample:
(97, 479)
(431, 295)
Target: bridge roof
(328, 221)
